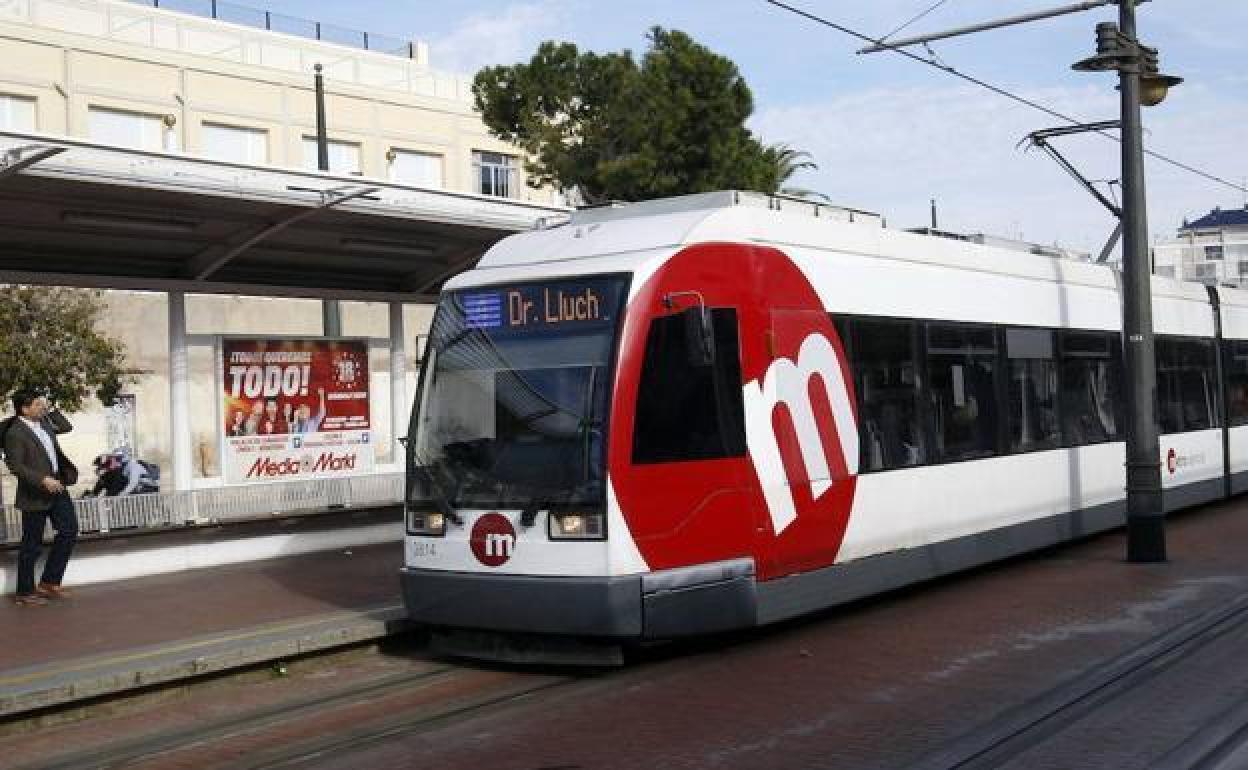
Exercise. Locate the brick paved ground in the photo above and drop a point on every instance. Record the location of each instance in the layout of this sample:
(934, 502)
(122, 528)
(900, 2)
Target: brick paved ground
(128, 614)
(878, 684)
(881, 683)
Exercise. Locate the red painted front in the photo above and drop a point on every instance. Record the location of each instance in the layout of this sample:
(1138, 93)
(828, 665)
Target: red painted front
(684, 513)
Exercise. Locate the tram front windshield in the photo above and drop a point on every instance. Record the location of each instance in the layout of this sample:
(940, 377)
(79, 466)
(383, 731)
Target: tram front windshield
(513, 404)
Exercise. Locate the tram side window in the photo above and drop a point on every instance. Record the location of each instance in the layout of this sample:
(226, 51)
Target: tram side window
(1091, 375)
(1033, 392)
(886, 381)
(961, 363)
(686, 411)
(1185, 384)
(1235, 361)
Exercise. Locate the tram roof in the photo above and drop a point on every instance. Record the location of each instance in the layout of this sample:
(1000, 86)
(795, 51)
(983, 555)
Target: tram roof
(83, 214)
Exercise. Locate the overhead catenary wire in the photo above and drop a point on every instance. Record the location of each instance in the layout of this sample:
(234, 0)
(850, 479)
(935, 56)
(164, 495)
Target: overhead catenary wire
(997, 90)
(914, 19)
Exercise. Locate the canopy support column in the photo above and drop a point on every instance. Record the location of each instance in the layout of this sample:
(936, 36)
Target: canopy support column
(398, 380)
(180, 444)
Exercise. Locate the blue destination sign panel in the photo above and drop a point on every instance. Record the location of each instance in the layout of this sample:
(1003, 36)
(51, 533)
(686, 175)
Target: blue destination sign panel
(542, 308)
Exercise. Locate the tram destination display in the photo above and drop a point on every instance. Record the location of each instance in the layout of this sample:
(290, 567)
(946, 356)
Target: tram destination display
(541, 308)
(295, 409)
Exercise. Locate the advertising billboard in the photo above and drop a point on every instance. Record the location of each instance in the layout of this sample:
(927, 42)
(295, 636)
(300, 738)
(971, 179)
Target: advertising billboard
(295, 409)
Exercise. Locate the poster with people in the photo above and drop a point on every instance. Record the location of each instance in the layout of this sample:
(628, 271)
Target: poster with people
(295, 409)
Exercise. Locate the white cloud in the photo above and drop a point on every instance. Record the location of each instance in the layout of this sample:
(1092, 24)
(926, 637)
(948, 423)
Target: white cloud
(506, 37)
(892, 150)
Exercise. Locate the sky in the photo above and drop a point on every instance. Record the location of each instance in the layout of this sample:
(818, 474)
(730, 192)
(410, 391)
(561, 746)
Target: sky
(889, 134)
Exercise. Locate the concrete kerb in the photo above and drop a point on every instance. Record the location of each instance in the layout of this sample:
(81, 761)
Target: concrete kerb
(39, 687)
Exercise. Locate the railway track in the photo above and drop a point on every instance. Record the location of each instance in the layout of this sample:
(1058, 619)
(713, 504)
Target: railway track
(343, 720)
(1121, 707)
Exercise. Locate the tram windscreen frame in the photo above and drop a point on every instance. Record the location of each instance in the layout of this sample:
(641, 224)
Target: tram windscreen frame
(513, 401)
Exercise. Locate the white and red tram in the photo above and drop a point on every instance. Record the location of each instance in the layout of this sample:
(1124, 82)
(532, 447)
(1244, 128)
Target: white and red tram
(723, 410)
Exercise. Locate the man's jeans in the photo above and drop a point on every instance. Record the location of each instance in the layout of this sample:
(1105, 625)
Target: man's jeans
(65, 522)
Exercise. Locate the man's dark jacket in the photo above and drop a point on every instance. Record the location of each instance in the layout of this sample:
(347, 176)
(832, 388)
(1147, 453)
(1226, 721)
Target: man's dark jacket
(26, 457)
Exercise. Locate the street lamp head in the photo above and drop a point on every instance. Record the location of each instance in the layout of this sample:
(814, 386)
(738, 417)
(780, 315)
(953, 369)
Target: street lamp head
(1154, 87)
(1153, 84)
(1118, 52)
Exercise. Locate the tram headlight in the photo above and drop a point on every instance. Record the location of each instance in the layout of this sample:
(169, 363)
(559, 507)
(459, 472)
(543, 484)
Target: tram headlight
(430, 523)
(576, 525)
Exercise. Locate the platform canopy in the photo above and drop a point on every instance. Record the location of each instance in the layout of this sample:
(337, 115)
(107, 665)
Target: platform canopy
(75, 213)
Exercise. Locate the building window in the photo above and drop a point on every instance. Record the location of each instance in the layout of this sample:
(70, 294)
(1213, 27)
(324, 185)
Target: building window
(495, 173)
(1213, 252)
(344, 157)
(416, 168)
(17, 113)
(1243, 267)
(234, 143)
(1201, 271)
(126, 129)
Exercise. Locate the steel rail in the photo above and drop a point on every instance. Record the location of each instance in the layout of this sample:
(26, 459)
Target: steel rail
(1055, 711)
(127, 753)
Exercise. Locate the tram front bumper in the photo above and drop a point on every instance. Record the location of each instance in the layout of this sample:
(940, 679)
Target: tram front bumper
(577, 606)
(693, 600)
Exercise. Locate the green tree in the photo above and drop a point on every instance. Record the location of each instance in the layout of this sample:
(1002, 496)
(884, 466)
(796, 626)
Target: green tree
(787, 162)
(50, 339)
(612, 129)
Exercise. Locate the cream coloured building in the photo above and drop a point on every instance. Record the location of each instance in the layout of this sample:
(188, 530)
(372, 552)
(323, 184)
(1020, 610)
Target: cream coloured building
(167, 85)
(129, 74)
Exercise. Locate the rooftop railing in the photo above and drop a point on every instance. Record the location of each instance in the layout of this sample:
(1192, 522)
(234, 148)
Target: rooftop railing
(256, 18)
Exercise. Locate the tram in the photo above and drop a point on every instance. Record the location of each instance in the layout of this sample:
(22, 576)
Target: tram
(723, 410)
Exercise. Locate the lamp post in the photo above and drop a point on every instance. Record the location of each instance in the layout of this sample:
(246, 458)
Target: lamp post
(331, 312)
(1139, 82)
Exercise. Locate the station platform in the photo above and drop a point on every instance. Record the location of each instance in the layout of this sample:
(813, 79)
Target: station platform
(112, 637)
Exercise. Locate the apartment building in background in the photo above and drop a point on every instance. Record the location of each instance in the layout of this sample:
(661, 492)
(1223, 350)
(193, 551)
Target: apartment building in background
(1212, 249)
(167, 75)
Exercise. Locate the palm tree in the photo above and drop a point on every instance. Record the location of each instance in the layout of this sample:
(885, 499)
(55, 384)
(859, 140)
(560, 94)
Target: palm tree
(787, 161)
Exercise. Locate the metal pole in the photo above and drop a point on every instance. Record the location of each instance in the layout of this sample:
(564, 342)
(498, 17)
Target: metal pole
(322, 133)
(331, 318)
(331, 313)
(1146, 535)
(1007, 22)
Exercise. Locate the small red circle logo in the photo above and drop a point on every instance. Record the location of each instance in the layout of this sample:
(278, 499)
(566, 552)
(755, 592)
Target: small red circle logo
(493, 539)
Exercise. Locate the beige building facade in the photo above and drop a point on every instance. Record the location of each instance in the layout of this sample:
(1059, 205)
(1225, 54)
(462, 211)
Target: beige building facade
(126, 74)
(129, 75)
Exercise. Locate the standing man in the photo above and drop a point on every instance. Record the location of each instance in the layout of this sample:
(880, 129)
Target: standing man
(43, 472)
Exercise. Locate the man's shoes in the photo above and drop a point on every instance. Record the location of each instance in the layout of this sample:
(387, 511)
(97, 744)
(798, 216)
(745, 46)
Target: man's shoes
(52, 591)
(29, 600)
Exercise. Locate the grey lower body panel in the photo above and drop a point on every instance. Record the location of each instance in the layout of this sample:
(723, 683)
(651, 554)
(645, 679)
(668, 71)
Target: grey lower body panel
(723, 596)
(795, 595)
(701, 599)
(1196, 493)
(1239, 482)
(606, 606)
